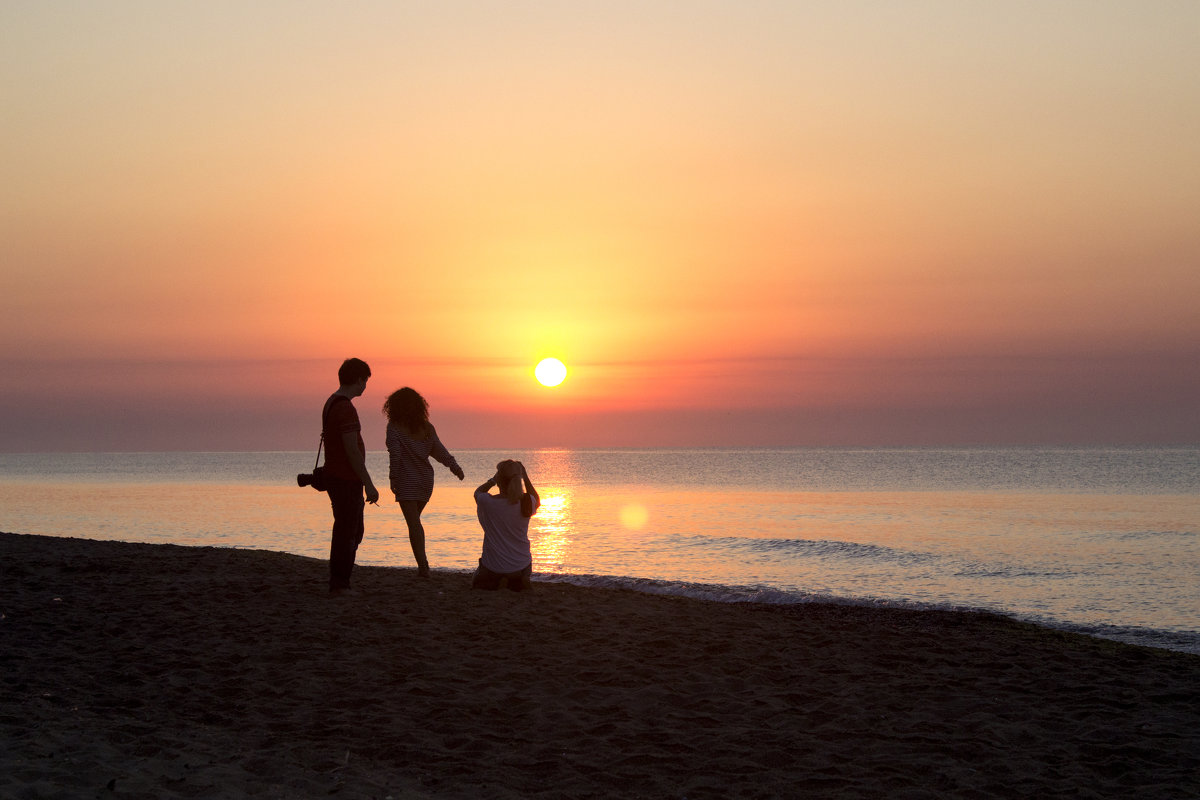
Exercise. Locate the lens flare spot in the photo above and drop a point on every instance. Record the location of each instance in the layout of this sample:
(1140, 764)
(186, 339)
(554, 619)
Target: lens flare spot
(634, 516)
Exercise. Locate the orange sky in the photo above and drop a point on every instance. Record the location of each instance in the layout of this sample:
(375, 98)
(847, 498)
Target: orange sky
(737, 223)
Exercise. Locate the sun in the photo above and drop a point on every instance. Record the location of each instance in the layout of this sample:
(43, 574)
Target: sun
(550, 372)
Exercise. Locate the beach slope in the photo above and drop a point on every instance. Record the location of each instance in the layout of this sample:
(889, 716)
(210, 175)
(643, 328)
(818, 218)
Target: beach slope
(157, 671)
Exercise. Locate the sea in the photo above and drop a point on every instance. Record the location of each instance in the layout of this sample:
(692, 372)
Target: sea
(1099, 540)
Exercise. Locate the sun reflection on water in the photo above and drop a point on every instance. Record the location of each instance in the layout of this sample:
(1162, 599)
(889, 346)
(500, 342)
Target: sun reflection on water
(554, 472)
(551, 532)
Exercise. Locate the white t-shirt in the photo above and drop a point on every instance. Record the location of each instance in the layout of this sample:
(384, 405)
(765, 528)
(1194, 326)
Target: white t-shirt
(505, 534)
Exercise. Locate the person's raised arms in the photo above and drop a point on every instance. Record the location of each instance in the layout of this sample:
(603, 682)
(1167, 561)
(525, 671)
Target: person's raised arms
(532, 492)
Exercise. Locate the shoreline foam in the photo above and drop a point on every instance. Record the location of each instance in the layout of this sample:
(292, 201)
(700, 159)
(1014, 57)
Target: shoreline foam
(1177, 641)
(135, 670)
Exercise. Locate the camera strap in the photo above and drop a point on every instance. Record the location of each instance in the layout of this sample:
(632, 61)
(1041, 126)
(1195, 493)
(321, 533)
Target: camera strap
(325, 418)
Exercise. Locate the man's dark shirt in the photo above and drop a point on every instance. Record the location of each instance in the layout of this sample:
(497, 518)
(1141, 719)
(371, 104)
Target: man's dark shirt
(340, 418)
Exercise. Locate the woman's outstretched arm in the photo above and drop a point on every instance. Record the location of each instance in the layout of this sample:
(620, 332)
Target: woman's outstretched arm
(442, 455)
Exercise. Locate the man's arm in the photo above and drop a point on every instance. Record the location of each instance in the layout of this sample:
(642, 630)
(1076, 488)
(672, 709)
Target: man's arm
(359, 465)
(537, 501)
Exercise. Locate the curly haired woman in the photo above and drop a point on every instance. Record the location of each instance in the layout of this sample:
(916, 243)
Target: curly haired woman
(411, 441)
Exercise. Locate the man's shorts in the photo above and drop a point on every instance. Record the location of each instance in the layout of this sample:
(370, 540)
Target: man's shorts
(515, 581)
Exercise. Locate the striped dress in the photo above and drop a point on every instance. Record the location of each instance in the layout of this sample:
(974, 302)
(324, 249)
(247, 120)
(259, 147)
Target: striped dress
(410, 472)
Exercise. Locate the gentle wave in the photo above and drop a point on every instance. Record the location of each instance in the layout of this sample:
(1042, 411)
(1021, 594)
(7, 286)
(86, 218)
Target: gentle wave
(1180, 641)
(718, 593)
(1013, 572)
(819, 548)
(1141, 536)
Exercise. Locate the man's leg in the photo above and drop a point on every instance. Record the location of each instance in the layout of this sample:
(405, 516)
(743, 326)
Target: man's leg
(346, 498)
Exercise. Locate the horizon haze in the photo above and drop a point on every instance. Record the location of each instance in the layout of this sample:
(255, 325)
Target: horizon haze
(754, 223)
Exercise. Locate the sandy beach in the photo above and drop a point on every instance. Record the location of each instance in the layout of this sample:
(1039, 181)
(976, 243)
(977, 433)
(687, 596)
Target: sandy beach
(156, 671)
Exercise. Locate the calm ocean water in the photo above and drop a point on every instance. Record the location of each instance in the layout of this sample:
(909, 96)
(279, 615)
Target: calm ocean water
(1100, 540)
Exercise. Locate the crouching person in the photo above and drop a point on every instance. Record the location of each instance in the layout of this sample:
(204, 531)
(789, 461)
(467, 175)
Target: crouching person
(506, 557)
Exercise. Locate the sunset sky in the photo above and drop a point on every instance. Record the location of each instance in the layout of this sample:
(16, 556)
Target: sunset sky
(737, 223)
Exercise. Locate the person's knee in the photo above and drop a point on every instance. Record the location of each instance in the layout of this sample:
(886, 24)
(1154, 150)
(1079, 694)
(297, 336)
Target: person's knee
(485, 579)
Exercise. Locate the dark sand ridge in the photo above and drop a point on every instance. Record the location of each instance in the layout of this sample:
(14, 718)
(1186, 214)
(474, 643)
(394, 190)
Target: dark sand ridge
(133, 670)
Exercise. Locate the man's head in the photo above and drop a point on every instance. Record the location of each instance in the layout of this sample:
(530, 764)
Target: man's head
(353, 372)
(508, 479)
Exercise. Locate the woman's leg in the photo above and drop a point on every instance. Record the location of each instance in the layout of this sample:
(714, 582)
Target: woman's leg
(416, 533)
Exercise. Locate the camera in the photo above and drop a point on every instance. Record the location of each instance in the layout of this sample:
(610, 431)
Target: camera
(315, 479)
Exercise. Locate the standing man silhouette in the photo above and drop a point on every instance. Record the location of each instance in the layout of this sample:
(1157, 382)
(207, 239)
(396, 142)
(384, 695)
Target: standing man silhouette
(346, 472)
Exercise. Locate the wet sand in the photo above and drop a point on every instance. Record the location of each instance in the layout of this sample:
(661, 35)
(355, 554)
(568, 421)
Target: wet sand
(156, 671)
